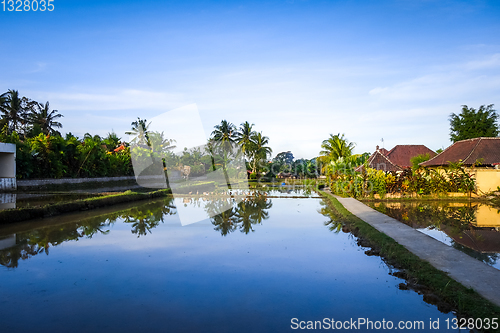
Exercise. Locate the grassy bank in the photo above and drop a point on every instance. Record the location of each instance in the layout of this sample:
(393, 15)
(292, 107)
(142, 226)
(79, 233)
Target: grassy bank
(436, 286)
(28, 213)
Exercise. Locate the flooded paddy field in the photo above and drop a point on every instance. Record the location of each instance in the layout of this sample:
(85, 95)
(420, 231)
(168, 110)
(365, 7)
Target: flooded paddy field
(471, 227)
(263, 265)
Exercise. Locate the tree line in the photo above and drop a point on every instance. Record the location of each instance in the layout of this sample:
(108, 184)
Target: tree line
(41, 150)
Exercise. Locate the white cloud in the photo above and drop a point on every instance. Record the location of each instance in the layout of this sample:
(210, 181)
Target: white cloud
(125, 99)
(492, 61)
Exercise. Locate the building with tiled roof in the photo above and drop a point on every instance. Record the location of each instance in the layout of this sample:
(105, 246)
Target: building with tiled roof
(481, 156)
(401, 155)
(397, 159)
(483, 152)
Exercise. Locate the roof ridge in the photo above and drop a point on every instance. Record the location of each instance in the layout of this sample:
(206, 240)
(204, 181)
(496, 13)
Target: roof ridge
(440, 152)
(387, 158)
(472, 150)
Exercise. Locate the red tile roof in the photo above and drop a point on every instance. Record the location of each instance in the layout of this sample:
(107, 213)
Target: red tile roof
(484, 150)
(380, 162)
(397, 158)
(401, 154)
(384, 151)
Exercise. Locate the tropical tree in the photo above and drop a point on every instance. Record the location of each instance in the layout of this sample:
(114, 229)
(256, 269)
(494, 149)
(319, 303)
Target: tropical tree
(335, 147)
(225, 135)
(13, 111)
(139, 131)
(472, 123)
(42, 117)
(224, 138)
(283, 162)
(244, 137)
(259, 150)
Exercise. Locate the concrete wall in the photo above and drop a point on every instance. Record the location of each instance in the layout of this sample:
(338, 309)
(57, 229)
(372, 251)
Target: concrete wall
(7, 200)
(40, 182)
(7, 166)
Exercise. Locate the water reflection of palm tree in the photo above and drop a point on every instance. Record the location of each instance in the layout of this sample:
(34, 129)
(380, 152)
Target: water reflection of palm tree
(224, 220)
(261, 204)
(148, 217)
(335, 223)
(31, 243)
(242, 215)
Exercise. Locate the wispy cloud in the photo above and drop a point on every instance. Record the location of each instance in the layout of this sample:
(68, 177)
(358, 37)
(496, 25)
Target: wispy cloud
(126, 99)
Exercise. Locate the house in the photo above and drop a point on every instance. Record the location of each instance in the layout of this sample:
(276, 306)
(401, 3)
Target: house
(396, 159)
(7, 166)
(480, 156)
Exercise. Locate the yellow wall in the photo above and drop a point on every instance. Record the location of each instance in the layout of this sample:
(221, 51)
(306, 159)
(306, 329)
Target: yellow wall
(487, 180)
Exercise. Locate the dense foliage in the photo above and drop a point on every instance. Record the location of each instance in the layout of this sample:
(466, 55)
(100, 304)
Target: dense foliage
(345, 181)
(52, 156)
(472, 123)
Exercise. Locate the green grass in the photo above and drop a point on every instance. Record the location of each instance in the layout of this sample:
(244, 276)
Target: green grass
(465, 301)
(28, 213)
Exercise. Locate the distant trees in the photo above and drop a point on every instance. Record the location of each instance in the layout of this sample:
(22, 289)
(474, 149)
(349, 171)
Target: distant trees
(283, 161)
(52, 156)
(472, 123)
(26, 117)
(254, 145)
(41, 151)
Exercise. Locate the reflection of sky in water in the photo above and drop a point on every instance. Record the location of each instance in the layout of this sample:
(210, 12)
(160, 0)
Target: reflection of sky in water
(193, 210)
(190, 278)
(437, 234)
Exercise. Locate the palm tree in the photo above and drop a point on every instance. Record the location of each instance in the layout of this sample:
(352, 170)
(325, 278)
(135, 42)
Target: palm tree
(335, 147)
(244, 137)
(44, 118)
(12, 109)
(224, 137)
(259, 150)
(225, 134)
(3, 104)
(140, 131)
(3, 99)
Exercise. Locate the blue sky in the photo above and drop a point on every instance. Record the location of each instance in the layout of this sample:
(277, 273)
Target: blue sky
(298, 70)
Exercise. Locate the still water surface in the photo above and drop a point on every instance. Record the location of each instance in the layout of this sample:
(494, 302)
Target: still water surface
(471, 227)
(249, 269)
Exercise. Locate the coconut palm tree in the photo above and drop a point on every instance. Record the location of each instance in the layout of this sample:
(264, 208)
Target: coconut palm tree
(42, 117)
(224, 138)
(139, 131)
(259, 150)
(244, 137)
(3, 99)
(12, 110)
(225, 135)
(335, 147)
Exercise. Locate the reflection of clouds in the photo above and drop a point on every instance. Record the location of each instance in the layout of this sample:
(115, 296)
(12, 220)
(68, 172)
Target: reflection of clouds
(284, 237)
